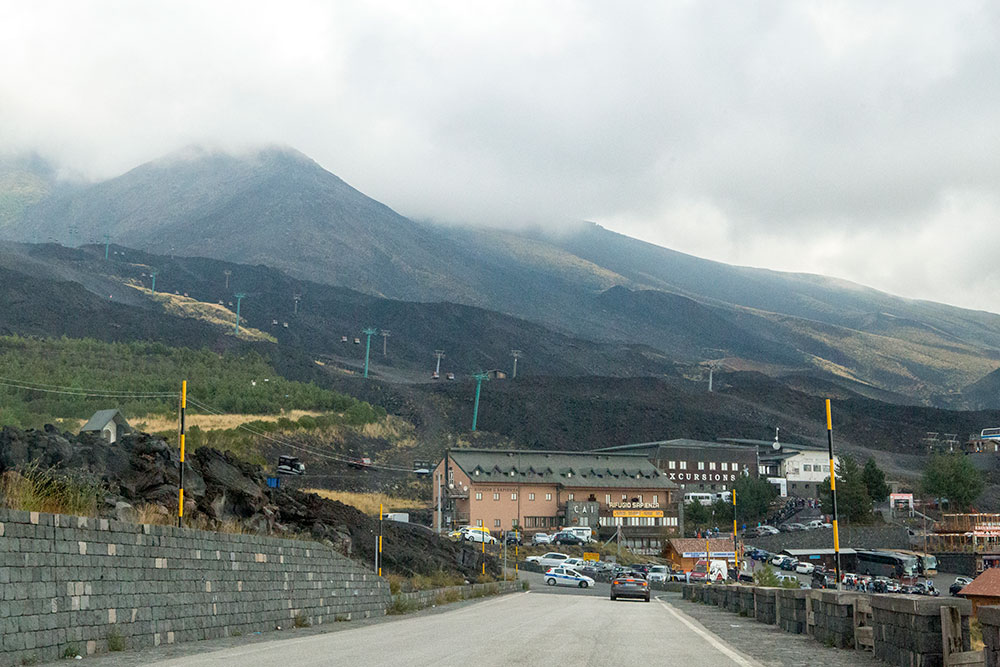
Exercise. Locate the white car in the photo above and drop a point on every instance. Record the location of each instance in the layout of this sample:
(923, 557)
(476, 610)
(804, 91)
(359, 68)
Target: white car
(805, 568)
(818, 523)
(574, 563)
(566, 576)
(479, 536)
(541, 538)
(777, 560)
(768, 530)
(658, 573)
(551, 559)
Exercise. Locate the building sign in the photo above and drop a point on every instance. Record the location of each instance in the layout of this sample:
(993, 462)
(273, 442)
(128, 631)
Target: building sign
(641, 514)
(582, 513)
(901, 500)
(633, 506)
(715, 554)
(591, 555)
(703, 476)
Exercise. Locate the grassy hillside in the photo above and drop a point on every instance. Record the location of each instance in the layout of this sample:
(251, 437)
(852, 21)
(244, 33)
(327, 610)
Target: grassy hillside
(46, 380)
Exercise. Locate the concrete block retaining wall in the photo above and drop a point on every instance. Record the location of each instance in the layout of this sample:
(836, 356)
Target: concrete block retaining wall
(989, 620)
(906, 628)
(73, 582)
(833, 617)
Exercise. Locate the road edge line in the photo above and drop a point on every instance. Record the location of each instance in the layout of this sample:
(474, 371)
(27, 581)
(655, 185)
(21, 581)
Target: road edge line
(705, 633)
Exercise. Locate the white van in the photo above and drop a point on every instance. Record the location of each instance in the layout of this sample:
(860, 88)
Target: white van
(703, 498)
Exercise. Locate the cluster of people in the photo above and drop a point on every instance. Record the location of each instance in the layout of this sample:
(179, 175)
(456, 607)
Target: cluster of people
(791, 507)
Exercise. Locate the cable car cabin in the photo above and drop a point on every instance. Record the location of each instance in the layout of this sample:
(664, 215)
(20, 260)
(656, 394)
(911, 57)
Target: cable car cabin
(435, 375)
(289, 465)
(357, 341)
(990, 434)
(343, 339)
(451, 376)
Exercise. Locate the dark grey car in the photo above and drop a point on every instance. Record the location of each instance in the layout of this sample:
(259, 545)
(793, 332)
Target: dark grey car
(630, 585)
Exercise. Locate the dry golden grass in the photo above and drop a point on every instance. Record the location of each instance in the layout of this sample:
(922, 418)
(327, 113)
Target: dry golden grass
(391, 428)
(38, 490)
(157, 423)
(213, 313)
(369, 502)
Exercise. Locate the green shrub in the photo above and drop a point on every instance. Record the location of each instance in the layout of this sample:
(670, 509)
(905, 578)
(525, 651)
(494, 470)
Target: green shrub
(115, 641)
(399, 606)
(71, 651)
(301, 621)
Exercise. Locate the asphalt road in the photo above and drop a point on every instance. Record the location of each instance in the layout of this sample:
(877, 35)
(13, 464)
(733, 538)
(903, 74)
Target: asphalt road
(545, 626)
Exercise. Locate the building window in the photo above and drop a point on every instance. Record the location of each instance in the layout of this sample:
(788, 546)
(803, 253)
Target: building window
(807, 468)
(711, 465)
(571, 496)
(496, 496)
(684, 465)
(479, 522)
(548, 496)
(496, 523)
(656, 499)
(736, 466)
(672, 464)
(513, 496)
(640, 497)
(531, 496)
(725, 466)
(479, 496)
(701, 465)
(607, 499)
(624, 497)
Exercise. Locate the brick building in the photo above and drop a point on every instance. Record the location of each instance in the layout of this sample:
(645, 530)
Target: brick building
(542, 491)
(696, 465)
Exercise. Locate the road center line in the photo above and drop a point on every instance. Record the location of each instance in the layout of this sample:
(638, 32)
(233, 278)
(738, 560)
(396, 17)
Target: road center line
(708, 636)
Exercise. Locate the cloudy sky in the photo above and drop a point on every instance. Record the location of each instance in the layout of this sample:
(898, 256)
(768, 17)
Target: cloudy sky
(856, 139)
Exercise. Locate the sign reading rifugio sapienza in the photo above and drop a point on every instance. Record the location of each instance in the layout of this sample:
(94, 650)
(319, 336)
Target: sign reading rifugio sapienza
(581, 513)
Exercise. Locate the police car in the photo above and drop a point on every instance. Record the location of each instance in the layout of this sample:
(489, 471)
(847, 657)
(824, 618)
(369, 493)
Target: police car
(564, 576)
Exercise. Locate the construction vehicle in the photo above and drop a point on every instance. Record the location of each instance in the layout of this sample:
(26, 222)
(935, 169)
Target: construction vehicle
(451, 376)
(289, 465)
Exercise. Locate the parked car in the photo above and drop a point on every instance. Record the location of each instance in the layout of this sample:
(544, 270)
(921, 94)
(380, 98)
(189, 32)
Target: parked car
(658, 573)
(777, 559)
(630, 585)
(551, 559)
(822, 578)
(567, 538)
(566, 576)
(782, 578)
(479, 536)
(541, 538)
(761, 555)
(791, 527)
(789, 564)
(959, 584)
(803, 567)
(817, 523)
(512, 537)
(575, 563)
(768, 530)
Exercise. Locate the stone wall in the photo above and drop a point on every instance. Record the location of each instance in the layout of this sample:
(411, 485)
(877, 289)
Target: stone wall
(989, 620)
(833, 617)
(957, 563)
(75, 583)
(908, 629)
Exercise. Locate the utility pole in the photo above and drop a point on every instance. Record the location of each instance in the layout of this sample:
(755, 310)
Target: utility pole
(385, 338)
(736, 545)
(517, 355)
(710, 379)
(437, 369)
(227, 273)
(152, 274)
(369, 331)
(297, 298)
(833, 488)
(107, 244)
(239, 297)
(479, 377)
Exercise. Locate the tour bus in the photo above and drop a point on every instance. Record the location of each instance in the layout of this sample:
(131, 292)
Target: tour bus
(887, 564)
(703, 498)
(926, 563)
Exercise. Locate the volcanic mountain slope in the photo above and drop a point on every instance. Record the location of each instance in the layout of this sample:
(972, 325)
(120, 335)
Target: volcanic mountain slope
(277, 207)
(473, 338)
